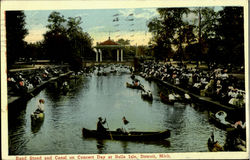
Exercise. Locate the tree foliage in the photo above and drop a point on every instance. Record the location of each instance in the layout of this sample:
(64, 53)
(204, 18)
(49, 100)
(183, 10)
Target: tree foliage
(123, 41)
(15, 34)
(199, 34)
(231, 35)
(65, 40)
(169, 29)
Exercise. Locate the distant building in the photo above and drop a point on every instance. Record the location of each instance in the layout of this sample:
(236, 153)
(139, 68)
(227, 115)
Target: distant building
(109, 50)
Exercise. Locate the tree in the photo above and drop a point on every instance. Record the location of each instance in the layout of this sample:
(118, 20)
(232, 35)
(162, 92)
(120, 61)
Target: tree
(230, 31)
(80, 41)
(206, 29)
(15, 34)
(55, 39)
(211, 37)
(66, 41)
(169, 29)
(123, 42)
(35, 50)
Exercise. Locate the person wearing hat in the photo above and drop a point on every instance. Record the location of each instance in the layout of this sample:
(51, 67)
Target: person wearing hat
(40, 106)
(100, 123)
(125, 125)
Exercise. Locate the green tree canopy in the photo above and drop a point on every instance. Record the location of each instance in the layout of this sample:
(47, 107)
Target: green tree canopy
(123, 42)
(201, 33)
(65, 40)
(169, 29)
(231, 34)
(15, 34)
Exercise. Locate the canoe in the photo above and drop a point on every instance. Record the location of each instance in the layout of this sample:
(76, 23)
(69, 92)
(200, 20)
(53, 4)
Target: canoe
(146, 96)
(36, 125)
(134, 87)
(217, 123)
(37, 117)
(165, 99)
(186, 98)
(214, 146)
(132, 76)
(149, 78)
(133, 136)
(101, 74)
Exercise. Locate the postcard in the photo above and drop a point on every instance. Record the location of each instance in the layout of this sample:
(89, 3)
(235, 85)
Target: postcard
(124, 80)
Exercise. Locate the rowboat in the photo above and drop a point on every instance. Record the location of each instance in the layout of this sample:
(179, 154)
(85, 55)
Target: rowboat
(214, 146)
(220, 124)
(147, 96)
(149, 78)
(165, 99)
(132, 136)
(134, 87)
(186, 98)
(36, 125)
(37, 116)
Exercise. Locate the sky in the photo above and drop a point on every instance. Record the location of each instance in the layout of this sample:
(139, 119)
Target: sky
(129, 23)
(99, 23)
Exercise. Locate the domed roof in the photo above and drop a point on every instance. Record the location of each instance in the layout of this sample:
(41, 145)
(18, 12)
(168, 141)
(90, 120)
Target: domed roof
(109, 42)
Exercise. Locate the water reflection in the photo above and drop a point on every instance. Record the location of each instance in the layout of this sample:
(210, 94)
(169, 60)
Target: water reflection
(100, 145)
(36, 125)
(164, 143)
(92, 96)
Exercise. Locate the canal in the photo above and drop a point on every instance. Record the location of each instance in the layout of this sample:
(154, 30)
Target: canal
(92, 96)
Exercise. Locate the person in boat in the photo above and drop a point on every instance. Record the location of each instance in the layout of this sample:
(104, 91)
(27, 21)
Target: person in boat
(132, 76)
(40, 106)
(171, 97)
(239, 124)
(187, 96)
(65, 83)
(149, 93)
(100, 123)
(214, 145)
(125, 125)
(136, 82)
(221, 115)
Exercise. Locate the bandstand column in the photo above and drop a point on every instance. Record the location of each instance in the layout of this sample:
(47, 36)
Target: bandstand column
(100, 55)
(96, 56)
(117, 55)
(121, 55)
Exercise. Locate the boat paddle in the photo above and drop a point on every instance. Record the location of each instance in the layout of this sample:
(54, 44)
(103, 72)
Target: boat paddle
(109, 130)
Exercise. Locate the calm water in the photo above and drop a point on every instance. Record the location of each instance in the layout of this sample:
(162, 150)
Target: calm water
(93, 96)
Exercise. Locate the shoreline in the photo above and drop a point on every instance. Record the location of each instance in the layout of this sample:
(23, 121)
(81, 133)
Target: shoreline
(34, 91)
(209, 102)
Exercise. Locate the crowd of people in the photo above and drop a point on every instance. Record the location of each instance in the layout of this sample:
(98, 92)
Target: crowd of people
(23, 81)
(216, 83)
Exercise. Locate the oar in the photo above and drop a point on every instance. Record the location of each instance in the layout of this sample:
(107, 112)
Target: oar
(109, 130)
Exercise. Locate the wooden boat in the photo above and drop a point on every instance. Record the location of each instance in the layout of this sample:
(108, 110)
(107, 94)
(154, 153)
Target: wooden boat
(219, 124)
(36, 121)
(214, 146)
(165, 99)
(186, 98)
(147, 96)
(104, 73)
(99, 73)
(132, 76)
(134, 87)
(36, 125)
(133, 136)
(37, 117)
(149, 78)
(113, 71)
